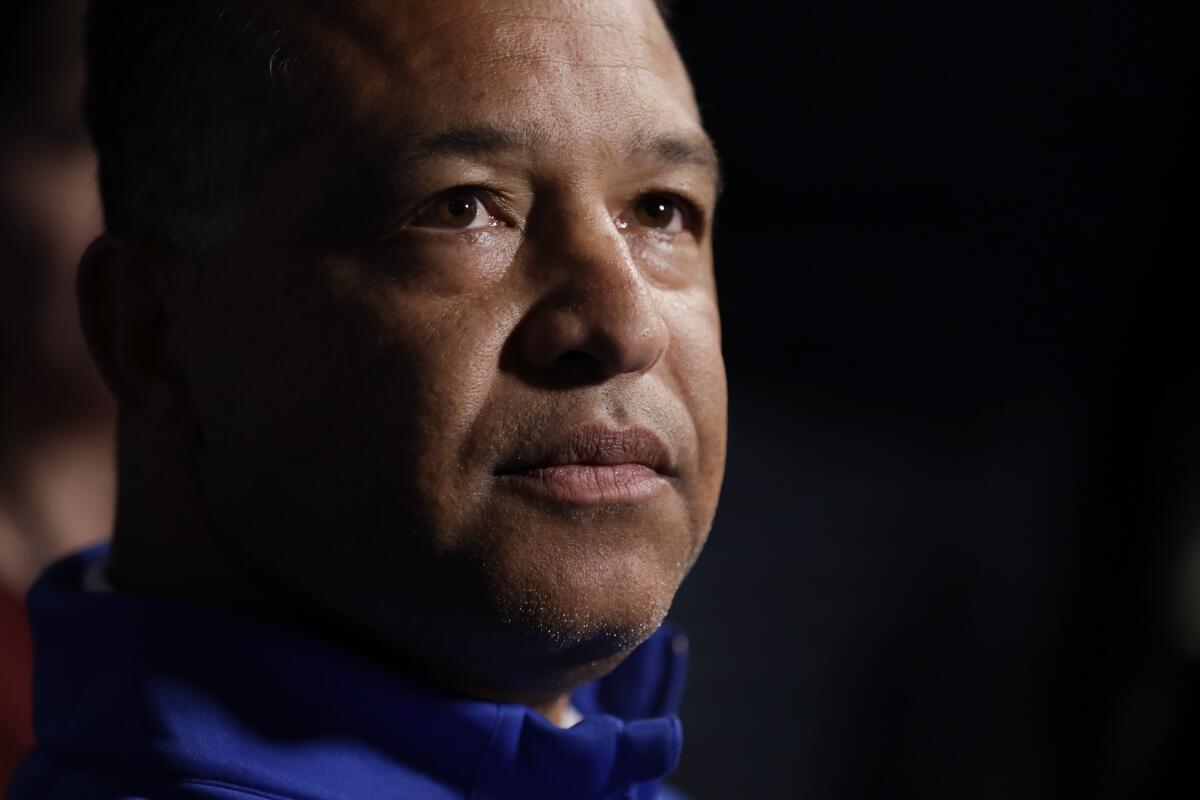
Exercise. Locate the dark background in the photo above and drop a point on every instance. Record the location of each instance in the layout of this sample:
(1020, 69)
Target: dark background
(952, 552)
(963, 495)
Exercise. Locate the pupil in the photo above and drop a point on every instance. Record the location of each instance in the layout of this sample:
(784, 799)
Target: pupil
(657, 208)
(461, 207)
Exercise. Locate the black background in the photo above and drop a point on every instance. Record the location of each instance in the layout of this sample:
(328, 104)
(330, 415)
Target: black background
(953, 256)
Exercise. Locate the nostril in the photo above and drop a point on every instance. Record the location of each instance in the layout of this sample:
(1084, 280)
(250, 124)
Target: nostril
(579, 366)
(577, 359)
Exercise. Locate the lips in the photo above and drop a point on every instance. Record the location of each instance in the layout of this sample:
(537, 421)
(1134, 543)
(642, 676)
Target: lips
(591, 464)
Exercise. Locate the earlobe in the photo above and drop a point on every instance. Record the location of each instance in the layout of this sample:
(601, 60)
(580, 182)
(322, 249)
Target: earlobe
(122, 290)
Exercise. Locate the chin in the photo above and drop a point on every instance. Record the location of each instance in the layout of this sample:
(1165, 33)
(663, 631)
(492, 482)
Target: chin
(576, 615)
(523, 600)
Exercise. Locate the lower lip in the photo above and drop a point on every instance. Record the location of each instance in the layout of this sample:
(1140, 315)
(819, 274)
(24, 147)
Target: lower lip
(591, 484)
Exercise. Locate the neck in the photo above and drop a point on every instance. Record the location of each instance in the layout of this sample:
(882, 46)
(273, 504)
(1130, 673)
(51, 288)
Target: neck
(163, 544)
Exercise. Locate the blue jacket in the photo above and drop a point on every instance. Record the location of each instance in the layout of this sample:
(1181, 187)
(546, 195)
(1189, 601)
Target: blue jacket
(139, 697)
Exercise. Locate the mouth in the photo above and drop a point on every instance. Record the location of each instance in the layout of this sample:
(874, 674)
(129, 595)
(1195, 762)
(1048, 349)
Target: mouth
(592, 465)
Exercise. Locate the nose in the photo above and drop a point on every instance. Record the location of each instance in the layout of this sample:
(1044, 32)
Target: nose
(596, 309)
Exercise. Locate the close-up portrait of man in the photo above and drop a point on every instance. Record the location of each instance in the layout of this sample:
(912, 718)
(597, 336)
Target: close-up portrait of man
(410, 315)
(372, 427)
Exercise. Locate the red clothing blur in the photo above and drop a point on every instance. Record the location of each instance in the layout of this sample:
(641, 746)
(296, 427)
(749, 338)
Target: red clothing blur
(16, 725)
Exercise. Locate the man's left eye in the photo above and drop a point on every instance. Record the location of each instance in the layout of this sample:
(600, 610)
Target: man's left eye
(657, 212)
(456, 211)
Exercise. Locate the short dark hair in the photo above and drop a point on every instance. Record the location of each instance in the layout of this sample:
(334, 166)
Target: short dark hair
(186, 99)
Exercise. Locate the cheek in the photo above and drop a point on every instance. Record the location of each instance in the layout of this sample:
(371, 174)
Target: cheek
(445, 264)
(434, 370)
(698, 370)
(669, 262)
(351, 387)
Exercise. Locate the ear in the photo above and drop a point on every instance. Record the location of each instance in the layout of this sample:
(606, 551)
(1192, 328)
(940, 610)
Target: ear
(125, 288)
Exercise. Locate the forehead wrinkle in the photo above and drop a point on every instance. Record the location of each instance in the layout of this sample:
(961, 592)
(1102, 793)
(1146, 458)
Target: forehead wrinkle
(392, 34)
(573, 51)
(538, 59)
(370, 50)
(369, 44)
(495, 17)
(588, 39)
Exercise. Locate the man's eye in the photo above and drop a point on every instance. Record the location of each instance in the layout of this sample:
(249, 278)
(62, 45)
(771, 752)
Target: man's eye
(457, 211)
(657, 212)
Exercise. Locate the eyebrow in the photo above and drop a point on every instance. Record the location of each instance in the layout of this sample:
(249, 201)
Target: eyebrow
(694, 149)
(682, 148)
(679, 148)
(467, 141)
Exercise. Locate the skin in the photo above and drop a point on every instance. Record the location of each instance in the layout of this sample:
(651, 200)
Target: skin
(315, 414)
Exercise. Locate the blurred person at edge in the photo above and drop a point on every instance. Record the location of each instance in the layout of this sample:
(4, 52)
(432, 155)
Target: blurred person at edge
(57, 422)
(410, 314)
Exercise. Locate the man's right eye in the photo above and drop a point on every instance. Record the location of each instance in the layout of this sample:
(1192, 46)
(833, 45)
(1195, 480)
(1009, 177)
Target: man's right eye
(461, 210)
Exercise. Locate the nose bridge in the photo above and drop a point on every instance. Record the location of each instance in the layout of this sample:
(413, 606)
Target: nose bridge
(595, 301)
(595, 258)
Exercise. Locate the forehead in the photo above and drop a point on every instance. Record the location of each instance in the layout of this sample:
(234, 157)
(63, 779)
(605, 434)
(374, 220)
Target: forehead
(561, 69)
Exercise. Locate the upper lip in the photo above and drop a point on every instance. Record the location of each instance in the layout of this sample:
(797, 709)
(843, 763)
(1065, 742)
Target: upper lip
(592, 445)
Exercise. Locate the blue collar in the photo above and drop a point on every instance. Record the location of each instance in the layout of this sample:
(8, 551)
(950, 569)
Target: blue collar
(183, 694)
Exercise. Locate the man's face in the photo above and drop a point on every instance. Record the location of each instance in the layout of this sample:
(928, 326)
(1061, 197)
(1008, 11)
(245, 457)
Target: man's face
(459, 378)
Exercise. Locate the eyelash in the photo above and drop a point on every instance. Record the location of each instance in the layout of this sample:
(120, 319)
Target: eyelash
(694, 217)
(493, 199)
